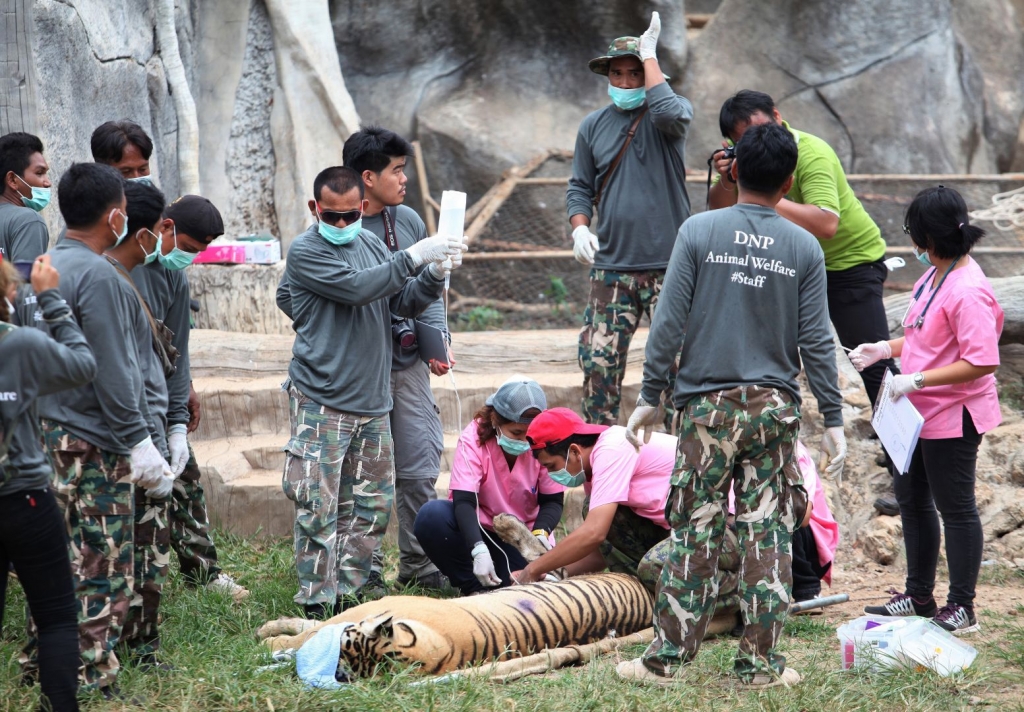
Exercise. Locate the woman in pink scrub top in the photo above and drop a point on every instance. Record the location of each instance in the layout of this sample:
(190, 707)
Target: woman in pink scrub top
(948, 353)
(492, 472)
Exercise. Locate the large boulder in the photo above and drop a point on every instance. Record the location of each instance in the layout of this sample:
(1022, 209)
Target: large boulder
(897, 86)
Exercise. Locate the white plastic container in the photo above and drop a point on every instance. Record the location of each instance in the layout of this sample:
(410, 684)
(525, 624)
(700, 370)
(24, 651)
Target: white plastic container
(869, 642)
(922, 643)
(452, 220)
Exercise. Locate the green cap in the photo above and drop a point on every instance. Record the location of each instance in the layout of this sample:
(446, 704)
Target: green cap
(620, 47)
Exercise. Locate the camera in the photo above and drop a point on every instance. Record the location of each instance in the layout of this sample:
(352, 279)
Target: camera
(728, 152)
(403, 333)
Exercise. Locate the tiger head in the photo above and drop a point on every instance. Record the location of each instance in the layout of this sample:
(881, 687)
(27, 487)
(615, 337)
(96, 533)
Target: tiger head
(374, 641)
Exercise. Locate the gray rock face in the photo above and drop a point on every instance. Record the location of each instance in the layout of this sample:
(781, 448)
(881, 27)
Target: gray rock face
(486, 85)
(901, 87)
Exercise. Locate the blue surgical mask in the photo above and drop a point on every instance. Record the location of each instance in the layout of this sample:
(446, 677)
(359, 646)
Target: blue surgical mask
(177, 258)
(144, 180)
(566, 478)
(124, 226)
(922, 257)
(515, 448)
(40, 196)
(150, 256)
(627, 99)
(338, 235)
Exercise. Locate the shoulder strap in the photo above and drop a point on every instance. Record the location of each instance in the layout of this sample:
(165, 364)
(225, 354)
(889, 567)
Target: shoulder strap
(622, 151)
(162, 336)
(389, 216)
(127, 277)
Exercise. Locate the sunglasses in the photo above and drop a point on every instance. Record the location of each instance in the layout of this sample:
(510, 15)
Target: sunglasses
(333, 217)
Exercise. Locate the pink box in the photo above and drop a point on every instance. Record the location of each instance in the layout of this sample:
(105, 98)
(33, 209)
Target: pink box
(221, 254)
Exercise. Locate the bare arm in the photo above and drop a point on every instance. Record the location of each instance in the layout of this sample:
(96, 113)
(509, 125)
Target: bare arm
(819, 222)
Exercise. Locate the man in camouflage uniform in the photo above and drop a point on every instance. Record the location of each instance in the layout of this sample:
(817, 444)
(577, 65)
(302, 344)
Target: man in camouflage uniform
(340, 288)
(640, 192)
(98, 435)
(742, 271)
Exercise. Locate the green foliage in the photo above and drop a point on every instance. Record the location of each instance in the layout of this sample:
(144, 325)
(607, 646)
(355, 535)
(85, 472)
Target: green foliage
(557, 292)
(480, 318)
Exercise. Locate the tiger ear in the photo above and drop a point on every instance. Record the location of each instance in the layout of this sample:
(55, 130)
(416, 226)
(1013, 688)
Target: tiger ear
(378, 626)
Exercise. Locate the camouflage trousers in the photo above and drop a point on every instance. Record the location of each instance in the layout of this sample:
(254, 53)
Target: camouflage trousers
(152, 561)
(95, 493)
(615, 306)
(739, 439)
(339, 471)
(190, 526)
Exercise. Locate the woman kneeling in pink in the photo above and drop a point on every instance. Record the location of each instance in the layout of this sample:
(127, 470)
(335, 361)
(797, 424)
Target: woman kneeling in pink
(492, 472)
(948, 353)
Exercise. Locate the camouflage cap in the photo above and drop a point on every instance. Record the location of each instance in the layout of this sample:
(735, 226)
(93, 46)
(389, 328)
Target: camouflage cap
(620, 47)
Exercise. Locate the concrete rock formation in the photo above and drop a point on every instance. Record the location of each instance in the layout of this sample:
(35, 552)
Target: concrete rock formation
(881, 539)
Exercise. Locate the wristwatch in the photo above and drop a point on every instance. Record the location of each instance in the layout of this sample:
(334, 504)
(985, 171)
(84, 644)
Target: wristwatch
(918, 380)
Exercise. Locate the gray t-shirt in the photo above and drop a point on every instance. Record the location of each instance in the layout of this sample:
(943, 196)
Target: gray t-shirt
(35, 365)
(645, 200)
(340, 299)
(110, 412)
(167, 293)
(409, 229)
(747, 288)
(23, 234)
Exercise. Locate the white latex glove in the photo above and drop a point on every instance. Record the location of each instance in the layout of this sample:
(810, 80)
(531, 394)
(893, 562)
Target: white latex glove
(148, 464)
(542, 537)
(584, 245)
(646, 416)
(178, 445)
(161, 489)
(867, 354)
(833, 452)
(483, 566)
(435, 249)
(445, 266)
(649, 39)
(902, 385)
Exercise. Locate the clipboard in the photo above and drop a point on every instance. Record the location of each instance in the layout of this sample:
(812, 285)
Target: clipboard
(432, 343)
(898, 425)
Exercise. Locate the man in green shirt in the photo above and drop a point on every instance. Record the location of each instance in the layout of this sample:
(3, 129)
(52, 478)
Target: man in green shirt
(822, 202)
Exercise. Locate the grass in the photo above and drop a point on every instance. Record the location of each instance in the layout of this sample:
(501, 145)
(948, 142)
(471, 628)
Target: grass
(210, 641)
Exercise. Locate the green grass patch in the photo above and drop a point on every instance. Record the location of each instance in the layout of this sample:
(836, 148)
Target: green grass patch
(210, 640)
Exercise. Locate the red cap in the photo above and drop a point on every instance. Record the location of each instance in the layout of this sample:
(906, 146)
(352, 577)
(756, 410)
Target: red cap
(556, 425)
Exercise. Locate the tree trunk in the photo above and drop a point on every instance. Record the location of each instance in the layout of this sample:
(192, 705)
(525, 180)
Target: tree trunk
(188, 124)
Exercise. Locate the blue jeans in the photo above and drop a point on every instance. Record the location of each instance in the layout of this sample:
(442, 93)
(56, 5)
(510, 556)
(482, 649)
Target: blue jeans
(439, 535)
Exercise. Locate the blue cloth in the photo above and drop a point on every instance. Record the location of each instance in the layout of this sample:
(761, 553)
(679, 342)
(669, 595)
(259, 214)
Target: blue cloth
(316, 662)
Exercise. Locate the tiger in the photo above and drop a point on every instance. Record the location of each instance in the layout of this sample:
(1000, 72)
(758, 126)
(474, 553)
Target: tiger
(513, 531)
(442, 635)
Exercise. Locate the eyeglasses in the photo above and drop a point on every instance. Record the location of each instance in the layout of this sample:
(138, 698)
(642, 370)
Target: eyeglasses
(333, 217)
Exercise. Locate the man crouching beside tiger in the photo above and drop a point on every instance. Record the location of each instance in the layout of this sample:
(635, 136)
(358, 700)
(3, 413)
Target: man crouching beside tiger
(624, 527)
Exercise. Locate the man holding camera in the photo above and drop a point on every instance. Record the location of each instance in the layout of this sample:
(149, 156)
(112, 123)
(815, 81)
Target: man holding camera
(822, 202)
(628, 164)
(340, 287)
(380, 157)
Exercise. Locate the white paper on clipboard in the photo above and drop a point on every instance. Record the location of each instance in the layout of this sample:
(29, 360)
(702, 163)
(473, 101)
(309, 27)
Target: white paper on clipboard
(432, 343)
(898, 425)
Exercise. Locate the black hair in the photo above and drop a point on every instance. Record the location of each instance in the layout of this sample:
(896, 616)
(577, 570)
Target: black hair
(340, 179)
(16, 150)
(86, 193)
(561, 448)
(146, 205)
(371, 148)
(110, 139)
(937, 220)
(740, 107)
(765, 158)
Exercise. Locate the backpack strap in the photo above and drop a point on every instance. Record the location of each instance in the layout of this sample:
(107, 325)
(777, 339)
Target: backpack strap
(622, 151)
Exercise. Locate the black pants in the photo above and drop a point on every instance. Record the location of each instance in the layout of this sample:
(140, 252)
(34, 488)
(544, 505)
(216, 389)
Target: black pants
(807, 572)
(33, 538)
(438, 533)
(858, 315)
(942, 475)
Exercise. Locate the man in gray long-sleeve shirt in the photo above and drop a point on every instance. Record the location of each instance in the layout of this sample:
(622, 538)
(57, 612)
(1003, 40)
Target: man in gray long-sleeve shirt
(25, 192)
(340, 287)
(380, 157)
(638, 187)
(747, 287)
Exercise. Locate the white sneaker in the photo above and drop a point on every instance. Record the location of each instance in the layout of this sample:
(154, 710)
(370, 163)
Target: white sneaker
(225, 584)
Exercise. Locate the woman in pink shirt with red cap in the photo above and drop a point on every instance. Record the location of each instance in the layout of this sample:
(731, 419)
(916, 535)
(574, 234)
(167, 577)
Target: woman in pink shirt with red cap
(492, 473)
(948, 353)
